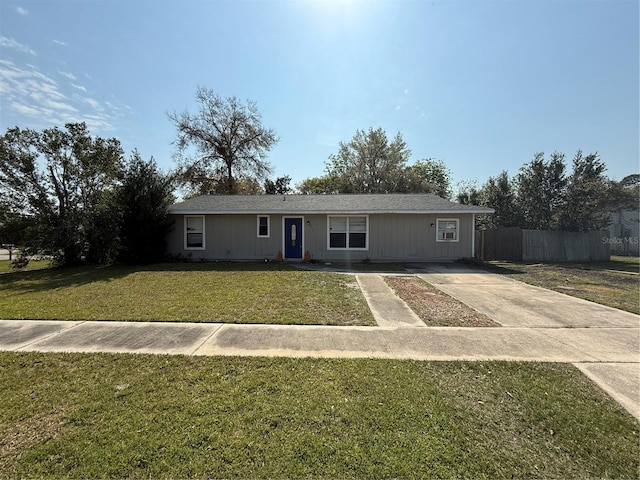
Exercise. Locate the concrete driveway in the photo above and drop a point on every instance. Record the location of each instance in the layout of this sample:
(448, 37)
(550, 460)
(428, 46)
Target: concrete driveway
(515, 304)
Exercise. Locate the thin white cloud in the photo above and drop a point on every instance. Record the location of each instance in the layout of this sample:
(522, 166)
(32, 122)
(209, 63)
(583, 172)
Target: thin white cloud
(40, 99)
(25, 109)
(60, 42)
(70, 76)
(93, 103)
(11, 43)
(119, 108)
(22, 11)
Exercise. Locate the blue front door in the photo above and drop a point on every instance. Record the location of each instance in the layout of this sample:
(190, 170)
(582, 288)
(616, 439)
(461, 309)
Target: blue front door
(292, 238)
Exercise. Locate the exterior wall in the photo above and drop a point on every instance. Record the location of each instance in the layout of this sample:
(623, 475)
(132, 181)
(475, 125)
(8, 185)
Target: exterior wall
(229, 237)
(413, 238)
(392, 238)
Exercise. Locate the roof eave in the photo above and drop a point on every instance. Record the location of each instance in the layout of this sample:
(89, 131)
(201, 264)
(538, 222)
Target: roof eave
(331, 212)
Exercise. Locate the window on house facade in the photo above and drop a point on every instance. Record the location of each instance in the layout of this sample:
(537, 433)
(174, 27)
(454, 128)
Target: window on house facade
(447, 230)
(194, 232)
(348, 232)
(263, 226)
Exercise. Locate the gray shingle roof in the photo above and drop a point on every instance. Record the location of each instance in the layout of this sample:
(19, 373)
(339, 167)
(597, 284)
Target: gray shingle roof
(322, 204)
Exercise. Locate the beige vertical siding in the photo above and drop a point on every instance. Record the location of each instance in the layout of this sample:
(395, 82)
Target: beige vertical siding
(391, 238)
(229, 237)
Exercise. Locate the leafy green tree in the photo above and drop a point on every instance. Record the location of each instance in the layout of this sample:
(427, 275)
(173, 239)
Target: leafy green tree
(103, 229)
(625, 194)
(279, 187)
(369, 163)
(143, 202)
(631, 181)
(14, 227)
(229, 140)
(58, 178)
(468, 193)
(587, 195)
(319, 185)
(434, 177)
(499, 193)
(541, 192)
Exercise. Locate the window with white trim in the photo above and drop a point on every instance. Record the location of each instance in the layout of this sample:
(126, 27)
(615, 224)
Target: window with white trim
(348, 232)
(194, 232)
(264, 226)
(447, 229)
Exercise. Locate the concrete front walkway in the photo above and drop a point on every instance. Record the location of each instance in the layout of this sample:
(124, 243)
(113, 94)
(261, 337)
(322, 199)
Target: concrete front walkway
(604, 343)
(388, 310)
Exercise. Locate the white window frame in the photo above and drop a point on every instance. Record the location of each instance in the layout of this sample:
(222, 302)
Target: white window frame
(202, 217)
(456, 231)
(268, 217)
(329, 247)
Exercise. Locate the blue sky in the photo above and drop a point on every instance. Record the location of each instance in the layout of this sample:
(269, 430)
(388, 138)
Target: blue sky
(480, 85)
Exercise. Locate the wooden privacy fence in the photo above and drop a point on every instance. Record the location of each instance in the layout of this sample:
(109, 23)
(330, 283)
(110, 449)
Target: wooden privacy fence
(519, 245)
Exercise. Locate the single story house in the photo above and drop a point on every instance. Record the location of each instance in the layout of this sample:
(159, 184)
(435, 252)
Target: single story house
(379, 228)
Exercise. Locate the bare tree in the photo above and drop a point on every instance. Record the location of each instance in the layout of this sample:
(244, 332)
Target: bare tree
(229, 140)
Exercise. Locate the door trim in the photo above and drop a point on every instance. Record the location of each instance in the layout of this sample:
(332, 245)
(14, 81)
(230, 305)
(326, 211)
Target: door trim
(284, 236)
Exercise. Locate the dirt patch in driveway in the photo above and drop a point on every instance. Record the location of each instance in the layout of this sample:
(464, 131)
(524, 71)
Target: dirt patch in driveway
(435, 308)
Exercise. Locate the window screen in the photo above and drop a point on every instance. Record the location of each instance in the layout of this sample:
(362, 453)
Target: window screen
(447, 230)
(348, 232)
(194, 232)
(263, 226)
(337, 232)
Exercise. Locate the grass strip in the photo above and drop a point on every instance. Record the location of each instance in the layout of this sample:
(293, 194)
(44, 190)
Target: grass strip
(137, 416)
(6, 265)
(208, 292)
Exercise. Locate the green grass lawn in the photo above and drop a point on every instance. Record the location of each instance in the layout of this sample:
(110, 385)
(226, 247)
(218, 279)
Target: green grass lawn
(138, 416)
(5, 265)
(195, 292)
(615, 283)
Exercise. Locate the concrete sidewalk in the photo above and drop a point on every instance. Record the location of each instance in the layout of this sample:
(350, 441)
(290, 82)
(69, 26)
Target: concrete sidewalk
(589, 348)
(612, 345)
(606, 349)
